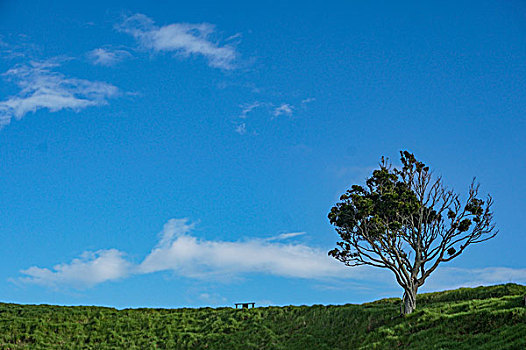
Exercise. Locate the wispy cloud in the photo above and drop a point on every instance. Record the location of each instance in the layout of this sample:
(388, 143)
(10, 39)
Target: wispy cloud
(42, 87)
(107, 57)
(182, 38)
(17, 46)
(246, 109)
(268, 108)
(241, 128)
(283, 109)
(249, 107)
(90, 269)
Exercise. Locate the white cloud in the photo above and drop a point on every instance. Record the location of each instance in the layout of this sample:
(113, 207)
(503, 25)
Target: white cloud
(172, 229)
(107, 57)
(185, 255)
(189, 256)
(182, 38)
(283, 109)
(90, 269)
(42, 87)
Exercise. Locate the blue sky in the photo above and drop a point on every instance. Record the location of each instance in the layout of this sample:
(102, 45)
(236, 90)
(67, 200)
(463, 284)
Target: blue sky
(187, 154)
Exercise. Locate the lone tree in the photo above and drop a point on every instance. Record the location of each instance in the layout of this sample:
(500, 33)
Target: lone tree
(407, 221)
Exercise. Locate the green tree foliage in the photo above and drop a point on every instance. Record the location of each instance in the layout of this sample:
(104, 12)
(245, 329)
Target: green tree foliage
(407, 221)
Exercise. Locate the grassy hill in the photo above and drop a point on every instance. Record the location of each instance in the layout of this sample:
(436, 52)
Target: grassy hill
(468, 318)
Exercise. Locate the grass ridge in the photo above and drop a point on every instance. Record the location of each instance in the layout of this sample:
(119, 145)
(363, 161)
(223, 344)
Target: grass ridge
(491, 317)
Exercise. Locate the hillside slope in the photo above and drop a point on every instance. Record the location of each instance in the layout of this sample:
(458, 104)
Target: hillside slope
(468, 318)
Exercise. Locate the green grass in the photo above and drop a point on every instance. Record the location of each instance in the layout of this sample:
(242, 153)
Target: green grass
(468, 318)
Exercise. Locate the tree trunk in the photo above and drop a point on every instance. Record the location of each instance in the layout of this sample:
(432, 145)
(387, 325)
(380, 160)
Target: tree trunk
(409, 300)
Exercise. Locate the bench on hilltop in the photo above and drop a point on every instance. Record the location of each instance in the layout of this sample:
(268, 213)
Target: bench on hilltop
(245, 305)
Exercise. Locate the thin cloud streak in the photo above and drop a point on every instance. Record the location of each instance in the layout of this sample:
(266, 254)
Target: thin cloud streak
(308, 100)
(284, 236)
(41, 87)
(185, 39)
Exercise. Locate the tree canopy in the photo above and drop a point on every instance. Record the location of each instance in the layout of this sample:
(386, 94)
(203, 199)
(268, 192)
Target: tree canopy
(407, 221)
